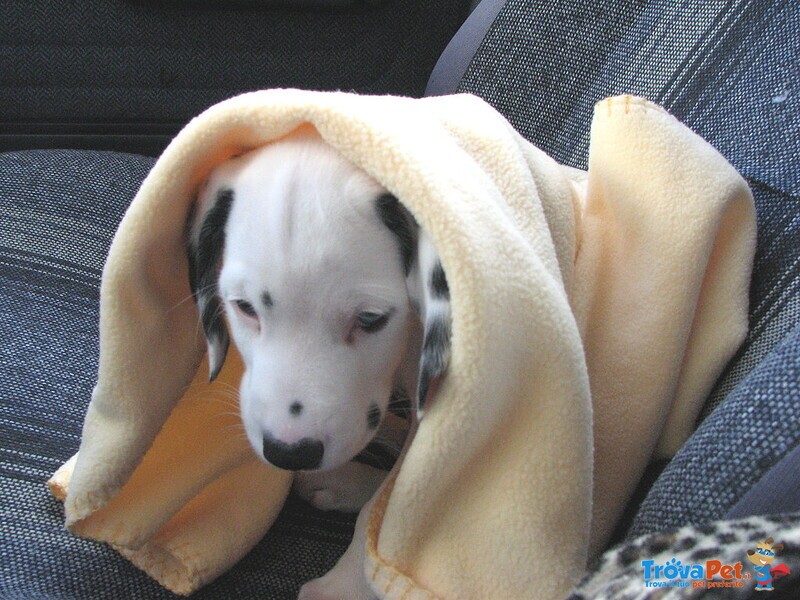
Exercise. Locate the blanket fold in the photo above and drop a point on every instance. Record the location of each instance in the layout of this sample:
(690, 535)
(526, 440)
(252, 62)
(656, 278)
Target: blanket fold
(630, 281)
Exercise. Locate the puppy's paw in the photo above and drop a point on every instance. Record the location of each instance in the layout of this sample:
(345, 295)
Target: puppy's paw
(346, 489)
(335, 588)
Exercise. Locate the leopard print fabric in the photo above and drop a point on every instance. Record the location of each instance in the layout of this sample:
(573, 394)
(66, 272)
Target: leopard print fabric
(619, 574)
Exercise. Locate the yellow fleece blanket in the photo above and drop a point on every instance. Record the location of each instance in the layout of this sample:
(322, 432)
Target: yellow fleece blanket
(630, 280)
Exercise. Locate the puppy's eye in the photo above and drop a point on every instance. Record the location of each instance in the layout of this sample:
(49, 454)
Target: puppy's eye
(371, 321)
(245, 307)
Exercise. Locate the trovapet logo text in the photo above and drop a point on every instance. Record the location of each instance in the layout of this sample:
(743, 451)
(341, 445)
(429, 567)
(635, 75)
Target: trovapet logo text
(711, 574)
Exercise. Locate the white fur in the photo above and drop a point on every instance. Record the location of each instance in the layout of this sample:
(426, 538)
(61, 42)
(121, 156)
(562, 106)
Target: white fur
(304, 228)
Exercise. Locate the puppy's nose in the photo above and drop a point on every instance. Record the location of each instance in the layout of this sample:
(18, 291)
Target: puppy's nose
(303, 455)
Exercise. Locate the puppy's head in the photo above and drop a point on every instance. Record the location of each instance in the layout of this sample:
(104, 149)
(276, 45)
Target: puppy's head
(309, 260)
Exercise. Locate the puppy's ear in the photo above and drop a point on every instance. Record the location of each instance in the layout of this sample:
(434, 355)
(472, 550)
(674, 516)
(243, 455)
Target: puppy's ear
(428, 291)
(206, 241)
(400, 222)
(433, 299)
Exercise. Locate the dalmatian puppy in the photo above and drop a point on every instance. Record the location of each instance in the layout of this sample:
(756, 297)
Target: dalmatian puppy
(335, 299)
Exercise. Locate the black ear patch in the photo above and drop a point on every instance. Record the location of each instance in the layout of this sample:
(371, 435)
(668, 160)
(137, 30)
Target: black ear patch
(434, 359)
(400, 222)
(438, 283)
(435, 314)
(204, 261)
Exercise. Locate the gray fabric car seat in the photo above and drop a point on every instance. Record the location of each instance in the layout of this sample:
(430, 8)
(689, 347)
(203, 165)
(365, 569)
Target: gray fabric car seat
(728, 69)
(126, 75)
